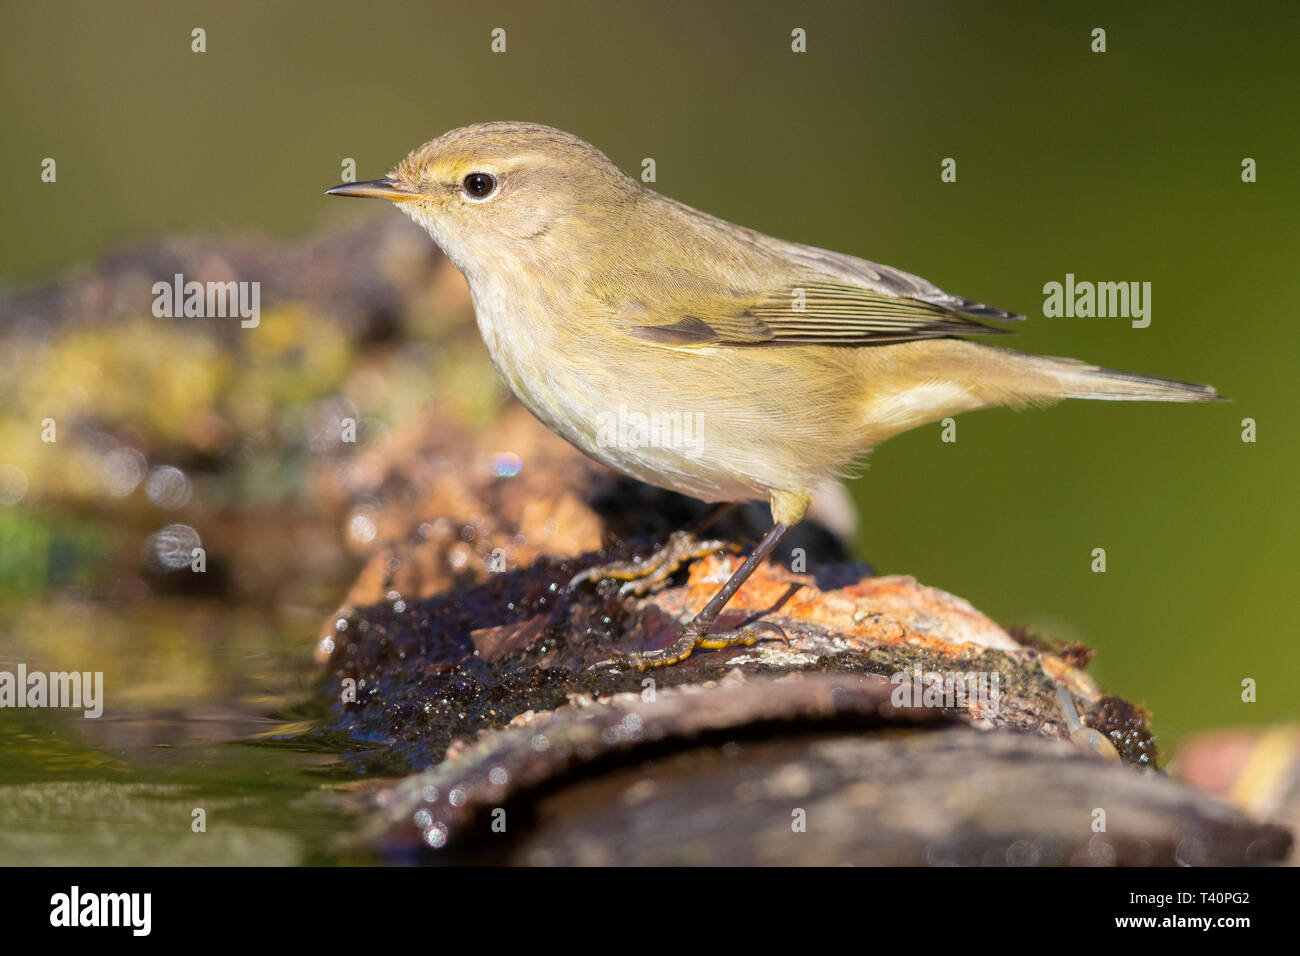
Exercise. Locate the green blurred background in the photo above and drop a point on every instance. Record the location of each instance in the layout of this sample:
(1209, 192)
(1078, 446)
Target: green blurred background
(1117, 166)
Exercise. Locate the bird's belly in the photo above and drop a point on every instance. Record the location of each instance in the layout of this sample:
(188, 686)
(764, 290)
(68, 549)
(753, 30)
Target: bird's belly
(613, 412)
(606, 419)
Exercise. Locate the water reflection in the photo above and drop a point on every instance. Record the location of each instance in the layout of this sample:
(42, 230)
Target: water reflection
(181, 521)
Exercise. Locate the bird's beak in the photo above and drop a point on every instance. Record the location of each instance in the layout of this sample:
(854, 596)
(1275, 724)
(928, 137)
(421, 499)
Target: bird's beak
(374, 189)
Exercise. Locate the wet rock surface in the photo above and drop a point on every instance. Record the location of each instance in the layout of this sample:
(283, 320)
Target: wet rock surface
(426, 672)
(808, 769)
(798, 771)
(477, 669)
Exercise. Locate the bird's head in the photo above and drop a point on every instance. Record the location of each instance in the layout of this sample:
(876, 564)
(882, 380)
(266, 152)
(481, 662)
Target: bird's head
(492, 188)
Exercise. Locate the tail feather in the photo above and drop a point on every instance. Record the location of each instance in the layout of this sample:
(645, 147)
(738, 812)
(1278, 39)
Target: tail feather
(1080, 380)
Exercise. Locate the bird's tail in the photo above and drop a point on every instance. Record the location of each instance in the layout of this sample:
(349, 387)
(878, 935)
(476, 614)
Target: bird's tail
(927, 381)
(1074, 379)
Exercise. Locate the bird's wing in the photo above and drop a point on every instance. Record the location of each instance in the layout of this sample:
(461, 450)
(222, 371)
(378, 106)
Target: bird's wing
(873, 277)
(814, 313)
(829, 299)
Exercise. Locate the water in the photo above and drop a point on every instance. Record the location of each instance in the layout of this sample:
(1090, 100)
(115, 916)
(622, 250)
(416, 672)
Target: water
(212, 768)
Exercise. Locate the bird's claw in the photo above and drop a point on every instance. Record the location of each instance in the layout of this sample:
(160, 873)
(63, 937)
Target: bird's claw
(644, 575)
(692, 638)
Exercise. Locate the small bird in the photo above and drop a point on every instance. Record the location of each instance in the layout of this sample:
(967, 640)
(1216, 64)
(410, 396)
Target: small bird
(775, 366)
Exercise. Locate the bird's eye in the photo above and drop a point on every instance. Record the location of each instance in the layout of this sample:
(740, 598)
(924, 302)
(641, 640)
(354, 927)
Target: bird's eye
(479, 185)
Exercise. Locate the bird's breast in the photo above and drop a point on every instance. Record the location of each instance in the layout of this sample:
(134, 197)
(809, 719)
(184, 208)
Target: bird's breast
(529, 354)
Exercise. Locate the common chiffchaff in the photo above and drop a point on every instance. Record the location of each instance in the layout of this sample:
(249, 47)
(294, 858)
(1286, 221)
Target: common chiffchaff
(598, 297)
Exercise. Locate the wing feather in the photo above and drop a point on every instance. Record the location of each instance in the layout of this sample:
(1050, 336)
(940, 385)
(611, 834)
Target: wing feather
(817, 313)
(831, 298)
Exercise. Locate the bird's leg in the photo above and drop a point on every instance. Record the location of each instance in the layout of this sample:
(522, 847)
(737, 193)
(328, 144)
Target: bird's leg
(644, 574)
(696, 633)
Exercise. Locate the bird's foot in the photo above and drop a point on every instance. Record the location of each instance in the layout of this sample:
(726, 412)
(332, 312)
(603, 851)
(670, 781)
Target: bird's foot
(692, 637)
(643, 575)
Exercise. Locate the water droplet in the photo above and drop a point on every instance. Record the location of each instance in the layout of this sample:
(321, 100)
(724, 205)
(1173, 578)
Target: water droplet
(506, 464)
(167, 487)
(174, 545)
(361, 528)
(121, 470)
(436, 835)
